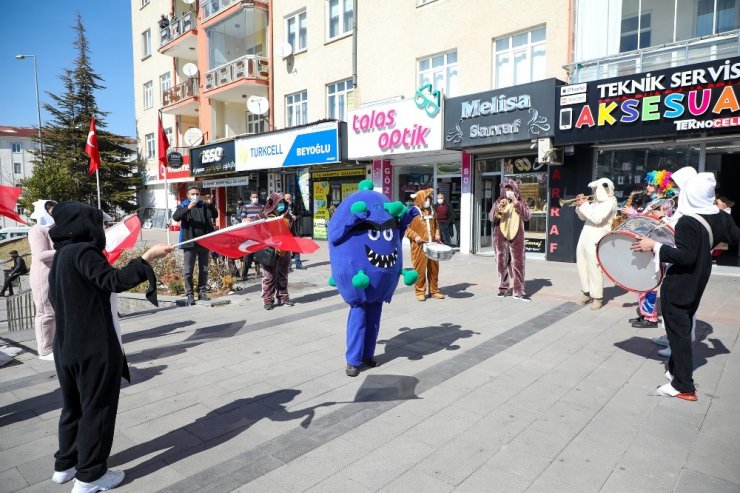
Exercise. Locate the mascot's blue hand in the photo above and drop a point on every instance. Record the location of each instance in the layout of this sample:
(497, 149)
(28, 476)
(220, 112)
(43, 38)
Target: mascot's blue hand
(395, 209)
(360, 280)
(332, 283)
(410, 276)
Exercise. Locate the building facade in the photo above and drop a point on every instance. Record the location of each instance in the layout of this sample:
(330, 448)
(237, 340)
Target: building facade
(16, 160)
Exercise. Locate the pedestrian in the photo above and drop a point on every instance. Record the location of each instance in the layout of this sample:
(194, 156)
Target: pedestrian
(196, 219)
(250, 211)
(700, 227)
(424, 229)
(19, 269)
(42, 256)
(88, 354)
(508, 215)
(598, 216)
(445, 218)
(275, 277)
(295, 229)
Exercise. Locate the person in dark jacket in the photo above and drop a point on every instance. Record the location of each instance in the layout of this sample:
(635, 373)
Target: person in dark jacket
(196, 219)
(88, 354)
(445, 218)
(19, 268)
(295, 229)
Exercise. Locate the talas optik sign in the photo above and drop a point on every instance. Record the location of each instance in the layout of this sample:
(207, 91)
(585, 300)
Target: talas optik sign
(691, 98)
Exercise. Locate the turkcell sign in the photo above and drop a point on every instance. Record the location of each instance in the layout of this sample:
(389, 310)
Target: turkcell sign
(316, 144)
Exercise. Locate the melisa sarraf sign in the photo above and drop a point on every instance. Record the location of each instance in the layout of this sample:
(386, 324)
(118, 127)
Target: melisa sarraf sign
(688, 99)
(513, 114)
(212, 159)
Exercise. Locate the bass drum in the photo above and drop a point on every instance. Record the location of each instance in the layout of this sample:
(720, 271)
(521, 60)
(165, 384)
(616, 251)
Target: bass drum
(633, 271)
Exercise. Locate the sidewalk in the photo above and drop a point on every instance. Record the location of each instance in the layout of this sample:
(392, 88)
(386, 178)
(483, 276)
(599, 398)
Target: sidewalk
(474, 393)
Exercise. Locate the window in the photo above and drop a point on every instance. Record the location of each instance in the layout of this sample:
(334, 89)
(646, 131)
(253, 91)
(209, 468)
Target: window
(17, 168)
(635, 30)
(15, 147)
(150, 149)
(148, 96)
(255, 123)
(146, 43)
(295, 28)
(296, 108)
(165, 83)
(339, 17)
(440, 71)
(520, 58)
(244, 33)
(336, 99)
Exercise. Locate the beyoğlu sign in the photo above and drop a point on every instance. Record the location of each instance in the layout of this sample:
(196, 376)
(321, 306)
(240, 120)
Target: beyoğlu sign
(400, 127)
(517, 113)
(687, 99)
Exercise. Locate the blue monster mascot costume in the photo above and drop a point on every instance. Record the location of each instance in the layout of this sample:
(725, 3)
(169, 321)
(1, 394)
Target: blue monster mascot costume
(366, 257)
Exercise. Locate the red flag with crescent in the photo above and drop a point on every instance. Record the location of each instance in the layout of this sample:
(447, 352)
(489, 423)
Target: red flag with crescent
(9, 202)
(91, 148)
(122, 236)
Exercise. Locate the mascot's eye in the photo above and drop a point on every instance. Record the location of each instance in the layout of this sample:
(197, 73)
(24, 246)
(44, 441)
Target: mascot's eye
(373, 234)
(387, 234)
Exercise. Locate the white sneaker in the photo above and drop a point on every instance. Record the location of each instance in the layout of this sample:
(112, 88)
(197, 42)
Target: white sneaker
(661, 341)
(47, 357)
(668, 376)
(61, 477)
(107, 481)
(665, 352)
(667, 390)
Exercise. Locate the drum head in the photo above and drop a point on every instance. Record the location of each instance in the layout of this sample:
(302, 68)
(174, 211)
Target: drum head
(633, 271)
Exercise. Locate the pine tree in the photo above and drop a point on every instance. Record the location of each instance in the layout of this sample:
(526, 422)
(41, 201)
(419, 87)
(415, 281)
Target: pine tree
(63, 174)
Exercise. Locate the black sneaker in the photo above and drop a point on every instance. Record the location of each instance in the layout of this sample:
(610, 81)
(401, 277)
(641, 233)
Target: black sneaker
(522, 297)
(269, 306)
(288, 303)
(636, 320)
(501, 294)
(352, 371)
(370, 362)
(645, 324)
(204, 297)
(191, 299)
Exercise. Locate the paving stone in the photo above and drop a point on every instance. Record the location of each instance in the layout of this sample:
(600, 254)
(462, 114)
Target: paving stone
(690, 481)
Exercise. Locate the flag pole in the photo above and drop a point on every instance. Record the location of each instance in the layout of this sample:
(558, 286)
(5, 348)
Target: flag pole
(97, 180)
(167, 205)
(229, 229)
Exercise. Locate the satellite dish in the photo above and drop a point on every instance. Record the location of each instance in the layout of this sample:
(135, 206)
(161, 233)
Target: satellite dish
(258, 105)
(284, 50)
(193, 137)
(189, 2)
(190, 69)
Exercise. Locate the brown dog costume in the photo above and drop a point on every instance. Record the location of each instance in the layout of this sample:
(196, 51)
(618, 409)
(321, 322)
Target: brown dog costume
(508, 237)
(428, 269)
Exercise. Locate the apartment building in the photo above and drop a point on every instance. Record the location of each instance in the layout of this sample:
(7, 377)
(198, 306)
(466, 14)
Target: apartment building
(16, 159)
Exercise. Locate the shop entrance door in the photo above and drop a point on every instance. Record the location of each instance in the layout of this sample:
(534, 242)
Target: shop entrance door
(486, 191)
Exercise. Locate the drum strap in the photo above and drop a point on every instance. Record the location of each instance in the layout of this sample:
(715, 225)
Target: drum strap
(706, 225)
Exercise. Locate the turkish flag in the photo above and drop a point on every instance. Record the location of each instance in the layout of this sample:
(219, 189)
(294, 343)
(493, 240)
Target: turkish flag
(121, 237)
(91, 148)
(162, 145)
(9, 202)
(241, 239)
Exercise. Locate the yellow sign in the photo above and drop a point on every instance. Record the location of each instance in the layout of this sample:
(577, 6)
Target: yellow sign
(338, 173)
(320, 208)
(348, 189)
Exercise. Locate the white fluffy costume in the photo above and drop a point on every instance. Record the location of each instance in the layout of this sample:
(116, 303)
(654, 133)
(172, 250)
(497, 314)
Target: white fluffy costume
(598, 216)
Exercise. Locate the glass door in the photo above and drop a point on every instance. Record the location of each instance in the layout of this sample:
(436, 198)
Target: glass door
(486, 192)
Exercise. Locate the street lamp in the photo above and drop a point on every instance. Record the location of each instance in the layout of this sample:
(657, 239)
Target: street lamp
(38, 103)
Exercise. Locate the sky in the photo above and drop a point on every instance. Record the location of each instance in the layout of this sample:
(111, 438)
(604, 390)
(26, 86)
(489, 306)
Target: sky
(44, 28)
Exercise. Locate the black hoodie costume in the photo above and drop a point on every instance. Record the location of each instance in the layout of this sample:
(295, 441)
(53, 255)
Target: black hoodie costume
(88, 357)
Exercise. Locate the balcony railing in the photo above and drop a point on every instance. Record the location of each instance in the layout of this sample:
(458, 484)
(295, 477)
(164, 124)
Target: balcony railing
(180, 92)
(246, 67)
(210, 8)
(656, 58)
(177, 28)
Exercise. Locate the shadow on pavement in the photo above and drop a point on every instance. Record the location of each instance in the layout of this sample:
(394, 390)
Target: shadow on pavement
(414, 344)
(198, 337)
(533, 285)
(155, 332)
(457, 290)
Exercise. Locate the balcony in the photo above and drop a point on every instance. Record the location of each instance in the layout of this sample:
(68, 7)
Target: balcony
(209, 8)
(228, 76)
(179, 38)
(715, 47)
(181, 99)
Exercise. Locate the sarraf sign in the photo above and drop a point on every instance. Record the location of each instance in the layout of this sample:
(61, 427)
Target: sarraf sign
(517, 113)
(688, 99)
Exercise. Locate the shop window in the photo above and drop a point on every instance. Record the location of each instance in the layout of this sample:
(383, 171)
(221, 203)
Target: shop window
(297, 31)
(337, 95)
(440, 71)
(520, 58)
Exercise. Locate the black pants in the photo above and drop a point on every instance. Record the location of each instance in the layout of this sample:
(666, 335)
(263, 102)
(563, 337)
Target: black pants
(678, 322)
(247, 264)
(9, 283)
(190, 255)
(445, 231)
(90, 402)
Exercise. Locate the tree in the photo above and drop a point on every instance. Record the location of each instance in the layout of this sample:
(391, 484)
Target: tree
(63, 175)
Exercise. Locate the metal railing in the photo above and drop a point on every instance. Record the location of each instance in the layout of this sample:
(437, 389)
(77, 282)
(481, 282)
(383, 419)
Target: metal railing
(21, 311)
(180, 92)
(246, 67)
(656, 58)
(177, 28)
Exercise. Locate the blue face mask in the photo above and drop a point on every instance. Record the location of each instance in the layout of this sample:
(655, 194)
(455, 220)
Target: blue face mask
(281, 207)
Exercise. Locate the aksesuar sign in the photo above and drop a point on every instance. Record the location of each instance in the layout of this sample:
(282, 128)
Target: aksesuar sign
(688, 99)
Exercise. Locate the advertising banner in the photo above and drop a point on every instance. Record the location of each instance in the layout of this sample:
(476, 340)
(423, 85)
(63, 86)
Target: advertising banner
(690, 99)
(315, 144)
(212, 159)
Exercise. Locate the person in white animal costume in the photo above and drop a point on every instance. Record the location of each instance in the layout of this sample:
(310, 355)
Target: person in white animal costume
(598, 215)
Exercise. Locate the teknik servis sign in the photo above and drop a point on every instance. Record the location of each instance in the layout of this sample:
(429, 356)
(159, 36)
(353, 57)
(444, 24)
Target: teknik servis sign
(512, 114)
(682, 100)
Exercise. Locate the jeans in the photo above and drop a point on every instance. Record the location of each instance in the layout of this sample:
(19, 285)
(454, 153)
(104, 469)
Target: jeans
(190, 255)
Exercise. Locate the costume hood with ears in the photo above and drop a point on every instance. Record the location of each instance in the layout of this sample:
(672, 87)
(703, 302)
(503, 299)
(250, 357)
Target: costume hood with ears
(681, 176)
(603, 189)
(514, 184)
(41, 211)
(272, 201)
(421, 196)
(75, 222)
(698, 193)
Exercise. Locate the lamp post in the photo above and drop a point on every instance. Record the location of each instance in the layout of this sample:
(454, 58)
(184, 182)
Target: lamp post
(38, 102)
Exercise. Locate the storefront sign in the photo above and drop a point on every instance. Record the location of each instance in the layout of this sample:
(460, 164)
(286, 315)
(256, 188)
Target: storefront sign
(534, 245)
(174, 174)
(522, 112)
(689, 99)
(467, 173)
(212, 159)
(395, 128)
(240, 181)
(523, 165)
(175, 160)
(315, 144)
(339, 173)
(383, 177)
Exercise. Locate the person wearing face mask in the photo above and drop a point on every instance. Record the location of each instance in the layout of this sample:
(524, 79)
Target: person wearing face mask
(445, 218)
(42, 256)
(275, 278)
(508, 215)
(250, 211)
(295, 229)
(424, 229)
(196, 219)
(263, 197)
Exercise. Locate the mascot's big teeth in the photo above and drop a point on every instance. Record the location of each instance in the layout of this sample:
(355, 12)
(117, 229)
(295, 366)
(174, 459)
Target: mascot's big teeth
(382, 261)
